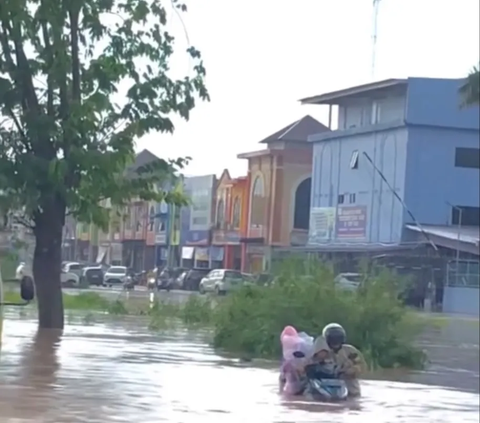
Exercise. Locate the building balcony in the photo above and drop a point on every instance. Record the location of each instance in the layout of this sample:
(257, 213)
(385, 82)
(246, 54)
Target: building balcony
(298, 237)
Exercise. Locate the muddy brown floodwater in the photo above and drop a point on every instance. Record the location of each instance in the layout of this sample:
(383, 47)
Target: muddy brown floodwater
(119, 372)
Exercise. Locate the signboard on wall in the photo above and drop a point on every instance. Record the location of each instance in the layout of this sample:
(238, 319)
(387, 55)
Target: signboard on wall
(322, 224)
(351, 222)
(197, 238)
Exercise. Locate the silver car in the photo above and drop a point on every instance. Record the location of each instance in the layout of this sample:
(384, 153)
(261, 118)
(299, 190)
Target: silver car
(221, 281)
(115, 275)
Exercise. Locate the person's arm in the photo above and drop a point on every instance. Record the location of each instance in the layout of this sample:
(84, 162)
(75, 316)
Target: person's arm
(354, 365)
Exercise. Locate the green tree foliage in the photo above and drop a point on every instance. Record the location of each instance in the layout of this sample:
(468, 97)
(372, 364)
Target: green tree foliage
(470, 89)
(250, 320)
(80, 81)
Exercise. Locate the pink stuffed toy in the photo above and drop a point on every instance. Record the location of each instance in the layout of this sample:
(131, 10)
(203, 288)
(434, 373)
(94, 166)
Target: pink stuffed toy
(291, 372)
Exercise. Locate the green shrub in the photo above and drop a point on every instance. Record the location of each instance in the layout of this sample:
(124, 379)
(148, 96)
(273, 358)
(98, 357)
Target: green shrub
(86, 301)
(250, 321)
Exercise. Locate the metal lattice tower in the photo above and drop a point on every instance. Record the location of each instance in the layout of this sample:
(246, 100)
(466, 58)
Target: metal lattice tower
(376, 8)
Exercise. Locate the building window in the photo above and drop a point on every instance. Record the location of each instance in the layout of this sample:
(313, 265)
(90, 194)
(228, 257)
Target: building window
(258, 203)
(341, 199)
(201, 220)
(468, 216)
(354, 160)
(352, 198)
(220, 213)
(467, 157)
(236, 213)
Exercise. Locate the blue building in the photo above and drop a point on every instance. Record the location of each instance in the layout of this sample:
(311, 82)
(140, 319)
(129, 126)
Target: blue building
(197, 222)
(402, 166)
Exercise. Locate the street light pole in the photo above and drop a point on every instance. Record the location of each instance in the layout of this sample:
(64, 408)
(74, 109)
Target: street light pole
(460, 215)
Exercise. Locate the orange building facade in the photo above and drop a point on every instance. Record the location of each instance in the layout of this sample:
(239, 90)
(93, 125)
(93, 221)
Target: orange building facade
(230, 218)
(278, 194)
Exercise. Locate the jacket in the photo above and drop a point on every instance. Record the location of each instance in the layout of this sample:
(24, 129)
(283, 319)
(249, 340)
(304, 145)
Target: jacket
(351, 363)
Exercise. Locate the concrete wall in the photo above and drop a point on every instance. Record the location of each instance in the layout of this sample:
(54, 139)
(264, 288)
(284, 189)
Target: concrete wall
(432, 179)
(260, 167)
(461, 300)
(370, 111)
(294, 168)
(333, 176)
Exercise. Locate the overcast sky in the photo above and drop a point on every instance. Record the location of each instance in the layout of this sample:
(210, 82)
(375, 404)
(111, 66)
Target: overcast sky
(263, 55)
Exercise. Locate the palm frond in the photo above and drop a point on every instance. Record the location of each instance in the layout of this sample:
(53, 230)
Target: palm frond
(470, 89)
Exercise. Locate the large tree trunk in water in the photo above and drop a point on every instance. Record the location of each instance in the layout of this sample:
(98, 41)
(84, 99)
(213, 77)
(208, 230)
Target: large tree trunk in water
(47, 263)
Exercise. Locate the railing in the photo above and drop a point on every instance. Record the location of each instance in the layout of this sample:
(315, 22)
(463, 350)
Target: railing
(466, 274)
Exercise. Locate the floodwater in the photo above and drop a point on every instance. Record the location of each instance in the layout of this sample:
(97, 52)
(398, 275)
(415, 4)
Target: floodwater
(119, 372)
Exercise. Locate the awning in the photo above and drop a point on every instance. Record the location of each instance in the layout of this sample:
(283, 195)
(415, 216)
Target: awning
(466, 238)
(468, 234)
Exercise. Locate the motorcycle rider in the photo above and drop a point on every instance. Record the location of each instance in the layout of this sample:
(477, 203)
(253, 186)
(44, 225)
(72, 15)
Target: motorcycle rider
(348, 359)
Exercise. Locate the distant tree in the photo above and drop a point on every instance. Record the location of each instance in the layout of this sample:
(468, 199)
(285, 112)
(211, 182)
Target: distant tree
(80, 81)
(470, 89)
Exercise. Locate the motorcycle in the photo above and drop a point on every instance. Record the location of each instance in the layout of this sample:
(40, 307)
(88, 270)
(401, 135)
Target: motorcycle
(151, 284)
(324, 385)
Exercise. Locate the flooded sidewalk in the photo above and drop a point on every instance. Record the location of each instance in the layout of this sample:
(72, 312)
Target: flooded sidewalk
(120, 372)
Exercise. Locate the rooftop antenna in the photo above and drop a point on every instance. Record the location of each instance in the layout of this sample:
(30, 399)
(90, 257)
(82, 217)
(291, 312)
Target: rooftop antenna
(376, 7)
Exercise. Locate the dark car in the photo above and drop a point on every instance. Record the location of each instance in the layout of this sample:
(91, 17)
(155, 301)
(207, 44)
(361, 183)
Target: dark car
(167, 277)
(191, 278)
(92, 276)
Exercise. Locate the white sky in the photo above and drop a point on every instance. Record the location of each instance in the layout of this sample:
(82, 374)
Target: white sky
(262, 56)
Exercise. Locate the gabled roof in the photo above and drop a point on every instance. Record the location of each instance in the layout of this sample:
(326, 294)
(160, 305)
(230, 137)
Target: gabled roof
(224, 177)
(297, 131)
(141, 159)
(334, 96)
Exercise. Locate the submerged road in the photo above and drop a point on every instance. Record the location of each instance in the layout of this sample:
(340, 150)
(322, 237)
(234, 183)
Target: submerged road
(138, 292)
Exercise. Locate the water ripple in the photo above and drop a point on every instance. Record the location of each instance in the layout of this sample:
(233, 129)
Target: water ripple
(118, 372)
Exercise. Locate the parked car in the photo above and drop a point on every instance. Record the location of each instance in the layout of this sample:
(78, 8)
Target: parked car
(67, 279)
(73, 267)
(167, 277)
(92, 275)
(221, 281)
(116, 275)
(348, 281)
(190, 279)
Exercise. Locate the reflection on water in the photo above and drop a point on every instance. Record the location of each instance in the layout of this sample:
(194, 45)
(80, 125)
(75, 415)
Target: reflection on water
(119, 373)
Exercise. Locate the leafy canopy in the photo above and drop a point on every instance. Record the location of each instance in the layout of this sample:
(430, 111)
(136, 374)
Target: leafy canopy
(80, 81)
(470, 89)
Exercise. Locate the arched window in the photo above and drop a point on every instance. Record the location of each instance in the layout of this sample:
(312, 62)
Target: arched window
(258, 203)
(301, 216)
(236, 213)
(220, 213)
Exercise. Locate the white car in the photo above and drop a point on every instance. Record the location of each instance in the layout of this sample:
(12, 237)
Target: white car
(66, 278)
(348, 281)
(221, 281)
(73, 267)
(115, 275)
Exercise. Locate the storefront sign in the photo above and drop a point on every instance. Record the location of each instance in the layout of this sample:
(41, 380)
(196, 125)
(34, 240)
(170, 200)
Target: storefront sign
(256, 249)
(161, 238)
(201, 254)
(256, 231)
(226, 237)
(216, 253)
(197, 238)
(351, 222)
(187, 253)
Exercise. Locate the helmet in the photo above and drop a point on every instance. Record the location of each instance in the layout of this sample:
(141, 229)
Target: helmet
(335, 336)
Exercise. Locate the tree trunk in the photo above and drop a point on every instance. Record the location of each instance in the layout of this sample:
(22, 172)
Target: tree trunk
(47, 263)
